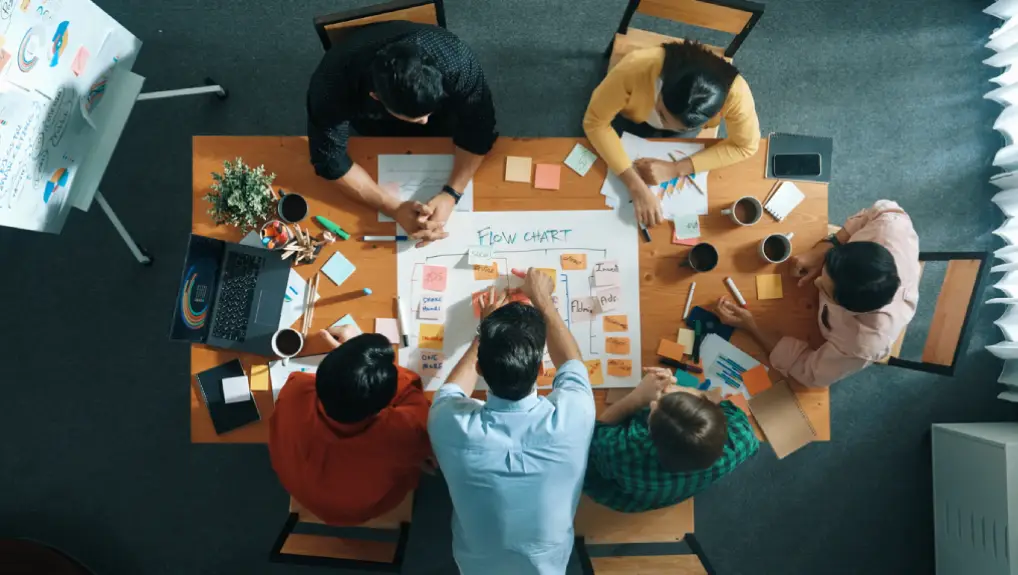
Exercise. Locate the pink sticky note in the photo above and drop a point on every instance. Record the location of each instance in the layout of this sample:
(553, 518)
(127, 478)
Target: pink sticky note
(608, 298)
(547, 176)
(80, 61)
(581, 309)
(606, 273)
(388, 327)
(430, 361)
(435, 278)
(5, 57)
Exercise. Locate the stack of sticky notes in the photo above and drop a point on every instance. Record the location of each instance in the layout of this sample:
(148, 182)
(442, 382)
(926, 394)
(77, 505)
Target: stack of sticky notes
(580, 159)
(235, 389)
(768, 286)
(338, 268)
(547, 176)
(517, 169)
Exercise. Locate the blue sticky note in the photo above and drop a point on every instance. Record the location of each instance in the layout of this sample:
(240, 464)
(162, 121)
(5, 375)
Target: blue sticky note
(346, 320)
(686, 379)
(338, 268)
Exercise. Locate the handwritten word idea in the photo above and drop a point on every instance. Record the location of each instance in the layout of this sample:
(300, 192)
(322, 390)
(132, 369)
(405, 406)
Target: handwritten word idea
(487, 236)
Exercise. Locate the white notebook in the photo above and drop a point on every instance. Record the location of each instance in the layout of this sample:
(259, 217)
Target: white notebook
(784, 201)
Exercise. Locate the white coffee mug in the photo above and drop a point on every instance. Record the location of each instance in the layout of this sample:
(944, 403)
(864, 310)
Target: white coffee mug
(285, 333)
(754, 206)
(784, 240)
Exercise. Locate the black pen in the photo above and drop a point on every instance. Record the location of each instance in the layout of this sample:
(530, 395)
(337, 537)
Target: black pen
(646, 234)
(680, 365)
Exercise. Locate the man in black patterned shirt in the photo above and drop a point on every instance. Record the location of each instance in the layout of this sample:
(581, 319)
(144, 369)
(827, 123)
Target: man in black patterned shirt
(400, 79)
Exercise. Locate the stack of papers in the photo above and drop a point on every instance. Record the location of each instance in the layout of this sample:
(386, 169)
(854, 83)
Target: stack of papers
(686, 199)
(724, 365)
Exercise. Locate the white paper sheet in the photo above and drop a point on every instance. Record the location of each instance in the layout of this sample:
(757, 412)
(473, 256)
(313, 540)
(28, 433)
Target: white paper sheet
(686, 200)
(420, 177)
(293, 302)
(711, 348)
(279, 372)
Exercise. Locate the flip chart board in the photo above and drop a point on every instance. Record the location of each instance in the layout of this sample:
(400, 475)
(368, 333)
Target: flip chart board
(63, 64)
(596, 242)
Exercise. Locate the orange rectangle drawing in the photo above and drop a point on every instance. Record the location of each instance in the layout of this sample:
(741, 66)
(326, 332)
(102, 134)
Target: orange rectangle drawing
(594, 371)
(616, 323)
(574, 261)
(486, 271)
(616, 345)
(620, 367)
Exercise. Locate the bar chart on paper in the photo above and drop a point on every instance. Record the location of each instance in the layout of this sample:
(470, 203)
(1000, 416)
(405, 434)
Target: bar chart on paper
(591, 256)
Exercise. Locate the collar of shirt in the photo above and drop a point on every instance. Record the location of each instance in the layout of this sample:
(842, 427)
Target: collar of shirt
(343, 429)
(496, 403)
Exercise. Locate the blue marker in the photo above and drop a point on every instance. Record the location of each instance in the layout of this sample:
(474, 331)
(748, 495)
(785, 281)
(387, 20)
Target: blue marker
(367, 291)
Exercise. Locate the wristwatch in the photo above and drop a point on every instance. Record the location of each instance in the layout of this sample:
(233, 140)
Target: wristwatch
(833, 240)
(447, 189)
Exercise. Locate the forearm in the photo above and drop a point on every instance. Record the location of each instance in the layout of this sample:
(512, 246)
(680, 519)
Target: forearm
(765, 338)
(464, 166)
(465, 372)
(357, 185)
(562, 346)
(621, 410)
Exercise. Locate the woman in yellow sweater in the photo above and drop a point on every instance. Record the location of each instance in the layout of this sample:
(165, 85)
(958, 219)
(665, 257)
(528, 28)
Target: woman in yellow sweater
(670, 91)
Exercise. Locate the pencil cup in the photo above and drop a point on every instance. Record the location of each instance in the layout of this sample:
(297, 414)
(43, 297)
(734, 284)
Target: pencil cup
(746, 211)
(776, 248)
(287, 343)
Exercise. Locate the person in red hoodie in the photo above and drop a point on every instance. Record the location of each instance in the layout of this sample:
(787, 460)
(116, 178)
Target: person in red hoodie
(348, 442)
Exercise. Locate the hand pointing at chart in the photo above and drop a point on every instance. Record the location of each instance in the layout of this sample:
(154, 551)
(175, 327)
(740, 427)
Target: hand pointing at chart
(536, 285)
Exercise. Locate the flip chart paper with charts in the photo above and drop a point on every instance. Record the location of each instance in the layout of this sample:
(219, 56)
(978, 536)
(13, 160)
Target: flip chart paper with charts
(522, 240)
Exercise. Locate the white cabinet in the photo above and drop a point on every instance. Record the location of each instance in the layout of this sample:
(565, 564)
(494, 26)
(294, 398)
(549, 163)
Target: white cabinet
(975, 496)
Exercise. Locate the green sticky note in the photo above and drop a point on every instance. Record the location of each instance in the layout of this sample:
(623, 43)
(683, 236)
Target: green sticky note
(685, 379)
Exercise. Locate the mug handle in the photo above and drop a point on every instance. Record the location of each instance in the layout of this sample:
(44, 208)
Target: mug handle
(726, 211)
(285, 362)
(790, 235)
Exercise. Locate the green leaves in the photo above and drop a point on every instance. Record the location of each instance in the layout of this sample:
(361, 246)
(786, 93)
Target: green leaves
(241, 196)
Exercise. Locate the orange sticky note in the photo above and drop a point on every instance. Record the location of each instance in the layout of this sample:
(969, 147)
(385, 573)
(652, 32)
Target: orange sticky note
(486, 271)
(768, 286)
(517, 169)
(259, 378)
(594, 371)
(756, 380)
(620, 367)
(552, 273)
(431, 336)
(475, 301)
(547, 176)
(616, 345)
(671, 349)
(615, 323)
(574, 261)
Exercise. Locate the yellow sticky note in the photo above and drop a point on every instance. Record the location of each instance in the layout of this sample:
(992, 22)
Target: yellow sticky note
(431, 336)
(686, 338)
(259, 378)
(574, 261)
(594, 371)
(620, 367)
(768, 286)
(517, 169)
(486, 272)
(616, 345)
(550, 272)
(616, 323)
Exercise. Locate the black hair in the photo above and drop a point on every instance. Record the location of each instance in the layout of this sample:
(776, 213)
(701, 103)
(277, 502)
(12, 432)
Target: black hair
(405, 81)
(510, 350)
(864, 274)
(694, 82)
(357, 379)
(689, 431)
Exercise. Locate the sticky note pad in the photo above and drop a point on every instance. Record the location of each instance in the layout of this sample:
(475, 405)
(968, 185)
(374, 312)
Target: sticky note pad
(616, 323)
(517, 169)
(338, 268)
(235, 389)
(435, 278)
(431, 307)
(608, 298)
(574, 261)
(547, 176)
(685, 379)
(488, 271)
(606, 273)
(431, 336)
(430, 362)
(768, 286)
(580, 159)
(346, 320)
(552, 273)
(686, 339)
(388, 327)
(260, 378)
(479, 255)
(581, 309)
(594, 371)
(687, 226)
(616, 345)
(80, 61)
(670, 349)
(756, 380)
(620, 367)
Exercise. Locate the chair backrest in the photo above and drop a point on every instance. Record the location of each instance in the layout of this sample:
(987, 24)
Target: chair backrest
(736, 17)
(331, 28)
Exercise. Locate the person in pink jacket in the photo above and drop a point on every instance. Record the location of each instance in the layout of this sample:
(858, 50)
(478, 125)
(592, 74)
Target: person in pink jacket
(868, 278)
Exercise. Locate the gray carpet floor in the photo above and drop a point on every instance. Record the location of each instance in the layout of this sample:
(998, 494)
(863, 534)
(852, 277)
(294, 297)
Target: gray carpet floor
(96, 457)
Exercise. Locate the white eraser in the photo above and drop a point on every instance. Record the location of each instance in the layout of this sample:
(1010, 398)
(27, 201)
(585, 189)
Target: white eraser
(236, 389)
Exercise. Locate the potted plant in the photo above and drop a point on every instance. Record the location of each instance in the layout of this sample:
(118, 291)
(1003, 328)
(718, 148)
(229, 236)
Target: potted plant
(241, 196)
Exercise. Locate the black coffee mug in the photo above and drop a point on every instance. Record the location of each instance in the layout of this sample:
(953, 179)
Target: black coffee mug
(702, 258)
(292, 207)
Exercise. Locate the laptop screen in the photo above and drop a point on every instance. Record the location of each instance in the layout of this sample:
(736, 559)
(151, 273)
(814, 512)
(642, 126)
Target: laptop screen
(192, 310)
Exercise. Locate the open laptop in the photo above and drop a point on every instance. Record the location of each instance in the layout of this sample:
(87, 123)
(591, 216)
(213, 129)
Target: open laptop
(230, 295)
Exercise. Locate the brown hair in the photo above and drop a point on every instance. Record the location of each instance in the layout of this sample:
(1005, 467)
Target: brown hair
(689, 431)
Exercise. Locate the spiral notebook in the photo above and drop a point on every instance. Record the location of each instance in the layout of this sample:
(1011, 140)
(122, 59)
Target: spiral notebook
(784, 200)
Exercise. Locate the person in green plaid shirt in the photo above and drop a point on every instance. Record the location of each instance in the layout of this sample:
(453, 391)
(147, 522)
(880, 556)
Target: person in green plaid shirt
(662, 444)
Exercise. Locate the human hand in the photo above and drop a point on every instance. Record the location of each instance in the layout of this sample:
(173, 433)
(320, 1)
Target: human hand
(808, 266)
(536, 286)
(491, 301)
(733, 314)
(413, 218)
(654, 172)
(338, 335)
(441, 206)
(656, 380)
(646, 205)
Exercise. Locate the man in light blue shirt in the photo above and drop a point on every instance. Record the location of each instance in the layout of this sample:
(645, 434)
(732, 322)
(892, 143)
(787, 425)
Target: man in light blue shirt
(515, 464)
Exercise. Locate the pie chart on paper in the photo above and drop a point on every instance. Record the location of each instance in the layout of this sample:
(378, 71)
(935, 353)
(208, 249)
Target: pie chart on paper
(57, 182)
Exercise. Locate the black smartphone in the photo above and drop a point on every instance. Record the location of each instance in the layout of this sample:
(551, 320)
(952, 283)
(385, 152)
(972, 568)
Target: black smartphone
(787, 165)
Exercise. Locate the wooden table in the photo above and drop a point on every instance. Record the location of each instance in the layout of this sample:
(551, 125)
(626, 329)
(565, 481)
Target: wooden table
(663, 284)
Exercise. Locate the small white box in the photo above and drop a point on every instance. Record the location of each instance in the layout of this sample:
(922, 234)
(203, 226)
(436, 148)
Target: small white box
(236, 389)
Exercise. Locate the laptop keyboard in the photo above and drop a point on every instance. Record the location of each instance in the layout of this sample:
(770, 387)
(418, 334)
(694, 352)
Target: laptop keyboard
(233, 305)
